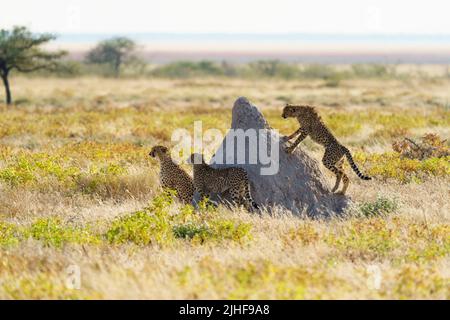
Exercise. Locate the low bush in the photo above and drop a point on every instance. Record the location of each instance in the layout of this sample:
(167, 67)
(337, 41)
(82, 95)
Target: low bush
(380, 207)
(52, 232)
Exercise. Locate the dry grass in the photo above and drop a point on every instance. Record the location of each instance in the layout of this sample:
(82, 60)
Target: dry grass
(73, 161)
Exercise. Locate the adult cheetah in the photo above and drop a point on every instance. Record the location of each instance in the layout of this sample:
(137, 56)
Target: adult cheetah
(172, 176)
(312, 125)
(234, 180)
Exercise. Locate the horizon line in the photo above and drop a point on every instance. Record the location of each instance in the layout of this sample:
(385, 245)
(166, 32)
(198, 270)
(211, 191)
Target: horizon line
(344, 34)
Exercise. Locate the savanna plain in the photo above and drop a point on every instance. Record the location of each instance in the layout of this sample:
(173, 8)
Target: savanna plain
(82, 215)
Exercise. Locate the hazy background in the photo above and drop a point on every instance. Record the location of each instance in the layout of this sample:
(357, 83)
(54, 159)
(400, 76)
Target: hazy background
(347, 31)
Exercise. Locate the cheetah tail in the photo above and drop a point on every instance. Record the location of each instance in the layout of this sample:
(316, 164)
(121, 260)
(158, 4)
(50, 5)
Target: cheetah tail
(353, 165)
(249, 199)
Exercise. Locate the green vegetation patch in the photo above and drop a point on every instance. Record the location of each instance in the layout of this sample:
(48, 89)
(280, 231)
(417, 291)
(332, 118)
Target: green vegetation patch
(41, 286)
(9, 234)
(142, 228)
(390, 165)
(52, 232)
(26, 168)
(260, 279)
(366, 239)
(380, 207)
(157, 225)
(216, 230)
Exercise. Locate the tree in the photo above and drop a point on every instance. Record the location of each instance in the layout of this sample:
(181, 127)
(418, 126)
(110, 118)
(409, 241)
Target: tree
(20, 50)
(114, 52)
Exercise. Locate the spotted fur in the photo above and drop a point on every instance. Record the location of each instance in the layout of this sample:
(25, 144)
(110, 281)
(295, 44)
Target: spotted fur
(172, 176)
(234, 180)
(312, 125)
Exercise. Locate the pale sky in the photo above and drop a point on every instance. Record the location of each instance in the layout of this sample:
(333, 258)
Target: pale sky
(229, 16)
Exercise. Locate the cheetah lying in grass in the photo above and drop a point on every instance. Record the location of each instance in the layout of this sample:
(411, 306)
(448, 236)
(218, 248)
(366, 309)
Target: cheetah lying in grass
(208, 180)
(172, 176)
(311, 125)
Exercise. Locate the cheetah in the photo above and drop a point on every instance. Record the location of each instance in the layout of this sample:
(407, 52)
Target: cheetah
(209, 180)
(172, 176)
(312, 125)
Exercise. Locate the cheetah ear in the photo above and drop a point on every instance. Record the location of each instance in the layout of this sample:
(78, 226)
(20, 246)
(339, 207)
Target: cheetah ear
(164, 149)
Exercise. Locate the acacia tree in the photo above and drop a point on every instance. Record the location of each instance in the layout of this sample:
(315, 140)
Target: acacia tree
(114, 52)
(20, 50)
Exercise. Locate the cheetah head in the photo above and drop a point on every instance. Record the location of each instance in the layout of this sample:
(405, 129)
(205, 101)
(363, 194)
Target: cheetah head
(158, 151)
(290, 111)
(196, 158)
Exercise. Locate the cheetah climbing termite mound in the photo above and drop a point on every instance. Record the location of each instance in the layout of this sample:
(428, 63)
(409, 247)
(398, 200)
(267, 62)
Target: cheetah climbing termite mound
(311, 125)
(277, 179)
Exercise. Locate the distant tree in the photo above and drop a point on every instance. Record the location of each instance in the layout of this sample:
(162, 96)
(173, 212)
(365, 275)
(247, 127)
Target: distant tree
(20, 50)
(115, 52)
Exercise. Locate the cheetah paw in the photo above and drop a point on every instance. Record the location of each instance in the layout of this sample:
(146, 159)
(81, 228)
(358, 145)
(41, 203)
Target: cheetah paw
(289, 149)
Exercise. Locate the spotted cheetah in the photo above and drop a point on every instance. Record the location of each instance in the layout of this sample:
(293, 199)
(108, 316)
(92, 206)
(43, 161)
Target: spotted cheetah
(172, 176)
(209, 180)
(312, 125)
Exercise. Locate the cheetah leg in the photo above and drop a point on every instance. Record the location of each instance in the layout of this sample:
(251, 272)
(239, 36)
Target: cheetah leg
(287, 138)
(339, 166)
(234, 192)
(301, 137)
(346, 182)
(186, 198)
(337, 173)
(204, 195)
(343, 175)
(331, 161)
(250, 204)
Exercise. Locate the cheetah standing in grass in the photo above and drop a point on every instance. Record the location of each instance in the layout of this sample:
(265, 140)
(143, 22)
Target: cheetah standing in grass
(311, 125)
(209, 180)
(172, 176)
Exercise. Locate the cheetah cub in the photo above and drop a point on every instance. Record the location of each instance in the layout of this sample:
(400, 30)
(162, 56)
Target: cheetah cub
(172, 176)
(209, 180)
(312, 125)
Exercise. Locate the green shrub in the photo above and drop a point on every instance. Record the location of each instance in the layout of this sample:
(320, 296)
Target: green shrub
(318, 71)
(191, 231)
(52, 232)
(9, 234)
(185, 69)
(391, 165)
(271, 68)
(101, 180)
(372, 70)
(364, 239)
(231, 230)
(216, 230)
(148, 226)
(156, 225)
(141, 228)
(333, 81)
(380, 207)
(27, 168)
